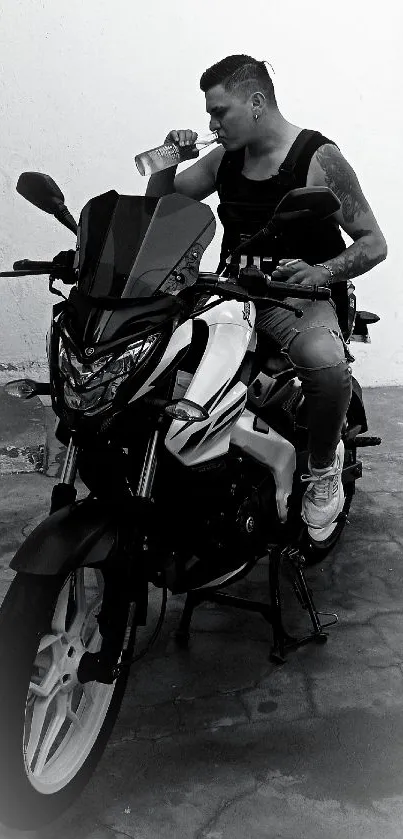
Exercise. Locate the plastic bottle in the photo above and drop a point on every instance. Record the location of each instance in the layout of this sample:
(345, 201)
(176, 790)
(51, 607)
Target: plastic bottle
(170, 154)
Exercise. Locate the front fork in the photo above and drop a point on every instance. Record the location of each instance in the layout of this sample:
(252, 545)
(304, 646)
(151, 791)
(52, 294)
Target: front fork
(146, 482)
(113, 619)
(65, 493)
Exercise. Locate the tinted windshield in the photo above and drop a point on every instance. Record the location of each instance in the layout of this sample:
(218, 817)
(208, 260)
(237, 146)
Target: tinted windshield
(133, 246)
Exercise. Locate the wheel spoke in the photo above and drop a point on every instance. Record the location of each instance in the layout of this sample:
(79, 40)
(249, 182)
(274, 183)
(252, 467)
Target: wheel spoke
(93, 642)
(80, 603)
(75, 719)
(47, 641)
(88, 692)
(60, 614)
(85, 608)
(54, 729)
(39, 710)
(46, 687)
(52, 675)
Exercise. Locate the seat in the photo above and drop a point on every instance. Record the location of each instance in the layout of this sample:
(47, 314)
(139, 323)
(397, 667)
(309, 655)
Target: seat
(275, 364)
(269, 358)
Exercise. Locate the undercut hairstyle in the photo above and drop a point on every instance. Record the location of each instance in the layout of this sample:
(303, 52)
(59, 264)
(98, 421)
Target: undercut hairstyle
(241, 75)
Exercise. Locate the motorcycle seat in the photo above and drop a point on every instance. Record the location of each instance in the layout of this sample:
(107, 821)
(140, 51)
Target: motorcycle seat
(275, 364)
(271, 360)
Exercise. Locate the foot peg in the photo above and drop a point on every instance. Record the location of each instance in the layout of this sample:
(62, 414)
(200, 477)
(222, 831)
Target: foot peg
(367, 441)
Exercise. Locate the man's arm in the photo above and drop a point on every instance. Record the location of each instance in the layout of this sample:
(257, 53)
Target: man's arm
(162, 183)
(329, 168)
(197, 181)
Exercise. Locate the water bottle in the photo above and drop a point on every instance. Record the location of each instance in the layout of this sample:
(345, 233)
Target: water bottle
(170, 154)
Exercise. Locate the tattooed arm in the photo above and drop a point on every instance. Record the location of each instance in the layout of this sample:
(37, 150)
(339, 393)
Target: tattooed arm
(329, 168)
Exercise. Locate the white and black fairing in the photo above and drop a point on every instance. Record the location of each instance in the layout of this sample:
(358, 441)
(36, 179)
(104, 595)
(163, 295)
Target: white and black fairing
(134, 257)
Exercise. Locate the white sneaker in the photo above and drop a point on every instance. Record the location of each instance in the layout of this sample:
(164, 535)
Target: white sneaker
(323, 500)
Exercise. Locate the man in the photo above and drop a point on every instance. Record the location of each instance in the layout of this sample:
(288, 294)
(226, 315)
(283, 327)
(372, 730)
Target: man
(260, 158)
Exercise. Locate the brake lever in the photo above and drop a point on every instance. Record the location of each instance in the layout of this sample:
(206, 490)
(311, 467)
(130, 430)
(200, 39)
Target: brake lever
(236, 292)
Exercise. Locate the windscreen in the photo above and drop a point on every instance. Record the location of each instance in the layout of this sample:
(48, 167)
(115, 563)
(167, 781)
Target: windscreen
(135, 246)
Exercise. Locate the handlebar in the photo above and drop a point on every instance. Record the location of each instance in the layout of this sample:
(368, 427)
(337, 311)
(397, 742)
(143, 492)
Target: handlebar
(275, 290)
(33, 265)
(27, 273)
(59, 268)
(31, 269)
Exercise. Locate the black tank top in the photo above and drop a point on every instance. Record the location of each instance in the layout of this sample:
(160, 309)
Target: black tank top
(246, 206)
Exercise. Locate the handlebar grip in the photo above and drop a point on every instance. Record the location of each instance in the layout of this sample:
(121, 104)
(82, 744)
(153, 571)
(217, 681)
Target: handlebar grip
(313, 292)
(33, 265)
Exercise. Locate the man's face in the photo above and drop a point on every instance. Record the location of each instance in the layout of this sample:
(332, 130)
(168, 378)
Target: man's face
(230, 116)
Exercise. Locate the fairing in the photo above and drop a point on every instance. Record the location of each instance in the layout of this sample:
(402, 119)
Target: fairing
(137, 248)
(134, 255)
(216, 385)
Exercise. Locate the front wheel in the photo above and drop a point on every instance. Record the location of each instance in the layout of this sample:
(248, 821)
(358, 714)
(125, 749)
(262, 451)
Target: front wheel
(53, 729)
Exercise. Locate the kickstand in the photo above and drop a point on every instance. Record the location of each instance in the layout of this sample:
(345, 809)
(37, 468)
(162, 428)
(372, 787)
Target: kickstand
(271, 612)
(305, 598)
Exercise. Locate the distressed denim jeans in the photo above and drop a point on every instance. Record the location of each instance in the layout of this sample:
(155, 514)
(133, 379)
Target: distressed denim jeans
(315, 346)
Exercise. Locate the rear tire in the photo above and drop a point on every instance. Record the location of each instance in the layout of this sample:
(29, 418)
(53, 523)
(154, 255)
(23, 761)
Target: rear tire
(53, 730)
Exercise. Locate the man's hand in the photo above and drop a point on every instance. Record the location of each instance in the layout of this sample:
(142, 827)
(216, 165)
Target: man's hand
(164, 182)
(298, 272)
(183, 138)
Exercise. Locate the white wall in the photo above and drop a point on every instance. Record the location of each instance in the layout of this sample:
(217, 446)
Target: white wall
(86, 85)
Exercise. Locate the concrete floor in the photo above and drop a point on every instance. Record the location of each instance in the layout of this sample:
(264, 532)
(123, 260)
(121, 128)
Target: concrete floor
(218, 743)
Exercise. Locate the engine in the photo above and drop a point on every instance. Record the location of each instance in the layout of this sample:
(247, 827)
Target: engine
(213, 518)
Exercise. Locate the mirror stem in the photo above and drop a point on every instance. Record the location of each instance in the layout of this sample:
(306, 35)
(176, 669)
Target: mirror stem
(270, 227)
(65, 217)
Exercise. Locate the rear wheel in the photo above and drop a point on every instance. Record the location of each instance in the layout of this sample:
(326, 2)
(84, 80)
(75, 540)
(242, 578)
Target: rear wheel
(53, 729)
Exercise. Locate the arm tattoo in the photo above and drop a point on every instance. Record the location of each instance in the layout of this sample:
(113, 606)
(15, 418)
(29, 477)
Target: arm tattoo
(343, 181)
(355, 260)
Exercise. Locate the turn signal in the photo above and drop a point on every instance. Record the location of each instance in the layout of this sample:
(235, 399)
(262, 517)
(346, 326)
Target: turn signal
(184, 409)
(21, 388)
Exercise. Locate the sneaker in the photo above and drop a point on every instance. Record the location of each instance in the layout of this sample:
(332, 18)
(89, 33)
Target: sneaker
(323, 500)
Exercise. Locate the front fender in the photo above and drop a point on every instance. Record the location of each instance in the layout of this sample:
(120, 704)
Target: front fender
(83, 533)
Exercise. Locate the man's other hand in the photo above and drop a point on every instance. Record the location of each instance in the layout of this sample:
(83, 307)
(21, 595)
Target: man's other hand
(298, 272)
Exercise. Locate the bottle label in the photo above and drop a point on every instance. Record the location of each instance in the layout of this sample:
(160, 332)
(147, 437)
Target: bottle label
(170, 152)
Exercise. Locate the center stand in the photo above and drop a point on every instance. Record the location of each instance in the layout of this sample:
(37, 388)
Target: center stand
(272, 611)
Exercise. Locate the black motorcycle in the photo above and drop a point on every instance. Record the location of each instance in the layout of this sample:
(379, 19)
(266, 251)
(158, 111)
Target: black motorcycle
(192, 456)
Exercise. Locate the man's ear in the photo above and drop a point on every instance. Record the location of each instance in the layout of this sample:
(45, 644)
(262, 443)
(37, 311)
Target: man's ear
(257, 99)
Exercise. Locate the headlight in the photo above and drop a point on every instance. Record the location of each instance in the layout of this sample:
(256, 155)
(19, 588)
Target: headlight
(86, 401)
(87, 383)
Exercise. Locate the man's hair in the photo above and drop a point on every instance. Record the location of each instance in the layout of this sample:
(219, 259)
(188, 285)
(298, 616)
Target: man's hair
(239, 74)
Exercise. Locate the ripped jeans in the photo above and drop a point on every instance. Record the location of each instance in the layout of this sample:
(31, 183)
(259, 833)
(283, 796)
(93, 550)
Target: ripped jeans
(316, 348)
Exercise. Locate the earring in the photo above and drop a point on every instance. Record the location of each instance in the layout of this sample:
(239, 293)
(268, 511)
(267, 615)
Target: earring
(256, 116)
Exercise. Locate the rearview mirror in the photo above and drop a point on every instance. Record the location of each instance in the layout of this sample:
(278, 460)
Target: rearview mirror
(307, 203)
(317, 202)
(40, 190)
(43, 192)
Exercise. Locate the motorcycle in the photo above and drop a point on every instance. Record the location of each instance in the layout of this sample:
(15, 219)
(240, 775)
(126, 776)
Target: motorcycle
(191, 449)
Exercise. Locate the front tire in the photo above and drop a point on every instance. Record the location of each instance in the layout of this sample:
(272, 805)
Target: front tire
(53, 729)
